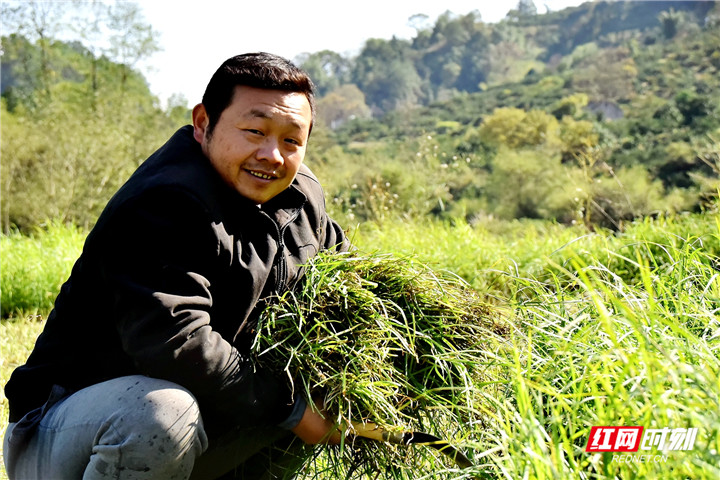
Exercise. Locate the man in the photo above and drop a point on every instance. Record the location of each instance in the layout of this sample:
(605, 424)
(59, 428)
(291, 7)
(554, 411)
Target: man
(143, 369)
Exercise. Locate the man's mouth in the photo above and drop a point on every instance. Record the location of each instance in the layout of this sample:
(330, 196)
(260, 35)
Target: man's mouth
(263, 175)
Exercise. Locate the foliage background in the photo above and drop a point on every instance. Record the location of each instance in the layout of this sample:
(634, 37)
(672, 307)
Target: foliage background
(531, 117)
(566, 165)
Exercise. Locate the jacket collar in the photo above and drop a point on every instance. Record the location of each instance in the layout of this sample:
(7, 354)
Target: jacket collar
(284, 207)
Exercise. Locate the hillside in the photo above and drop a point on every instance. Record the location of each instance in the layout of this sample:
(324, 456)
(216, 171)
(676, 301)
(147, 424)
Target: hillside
(593, 115)
(600, 132)
(461, 53)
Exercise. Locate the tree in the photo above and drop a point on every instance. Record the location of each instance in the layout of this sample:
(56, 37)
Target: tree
(692, 107)
(451, 56)
(20, 71)
(72, 134)
(523, 10)
(385, 72)
(419, 21)
(39, 23)
(670, 21)
(608, 75)
(131, 39)
(570, 106)
(475, 63)
(577, 137)
(514, 128)
(114, 31)
(344, 103)
(523, 182)
(327, 69)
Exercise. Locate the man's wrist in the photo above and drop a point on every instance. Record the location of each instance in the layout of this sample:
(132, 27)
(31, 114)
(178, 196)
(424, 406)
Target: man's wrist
(296, 415)
(314, 429)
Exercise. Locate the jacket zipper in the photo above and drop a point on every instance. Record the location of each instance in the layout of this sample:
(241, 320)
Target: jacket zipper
(280, 261)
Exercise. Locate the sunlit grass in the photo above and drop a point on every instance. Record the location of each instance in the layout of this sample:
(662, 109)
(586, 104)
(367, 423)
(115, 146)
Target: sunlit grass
(615, 353)
(612, 330)
(17, 337)
(32, 268)
(609, 329)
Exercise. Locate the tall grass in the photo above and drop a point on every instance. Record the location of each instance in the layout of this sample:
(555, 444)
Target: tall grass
(33, 267)
(611, 329)
(614, 353)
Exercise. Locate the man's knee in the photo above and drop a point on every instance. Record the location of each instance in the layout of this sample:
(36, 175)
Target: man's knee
(161, 414)
(156, 428)
(137, 424)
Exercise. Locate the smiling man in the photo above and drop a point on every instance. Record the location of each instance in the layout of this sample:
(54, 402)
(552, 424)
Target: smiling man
(258, 143)
(144, 369)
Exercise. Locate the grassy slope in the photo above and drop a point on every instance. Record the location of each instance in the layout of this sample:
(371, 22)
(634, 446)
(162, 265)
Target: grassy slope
(611, 330)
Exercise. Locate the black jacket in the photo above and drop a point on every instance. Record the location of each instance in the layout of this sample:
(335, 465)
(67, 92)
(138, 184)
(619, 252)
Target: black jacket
(170, 283)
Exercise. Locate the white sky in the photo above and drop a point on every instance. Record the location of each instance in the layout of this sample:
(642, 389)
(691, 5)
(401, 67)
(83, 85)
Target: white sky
(198, 35)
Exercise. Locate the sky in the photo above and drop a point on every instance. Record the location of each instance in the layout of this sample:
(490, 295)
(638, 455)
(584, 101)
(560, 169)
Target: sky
(196, 36)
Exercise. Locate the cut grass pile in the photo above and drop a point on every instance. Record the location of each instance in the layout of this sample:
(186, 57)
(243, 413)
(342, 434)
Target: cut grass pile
(389, 340)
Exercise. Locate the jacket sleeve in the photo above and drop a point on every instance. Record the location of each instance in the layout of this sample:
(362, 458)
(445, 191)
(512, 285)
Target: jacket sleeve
(161, 270)
(335, 238)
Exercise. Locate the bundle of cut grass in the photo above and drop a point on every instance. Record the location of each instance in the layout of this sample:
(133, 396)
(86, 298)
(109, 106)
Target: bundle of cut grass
(385, 339)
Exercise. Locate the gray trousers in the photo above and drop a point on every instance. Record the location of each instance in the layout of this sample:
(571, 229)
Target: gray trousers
(138, 427)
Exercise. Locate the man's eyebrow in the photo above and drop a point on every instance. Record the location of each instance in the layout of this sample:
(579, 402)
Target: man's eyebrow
(254, 112)
(258, 113)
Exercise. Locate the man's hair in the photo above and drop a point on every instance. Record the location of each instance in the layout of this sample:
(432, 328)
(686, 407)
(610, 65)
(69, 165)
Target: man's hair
(259, 70)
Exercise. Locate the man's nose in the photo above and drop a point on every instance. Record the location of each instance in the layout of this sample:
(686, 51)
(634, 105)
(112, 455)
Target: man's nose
(270, 152)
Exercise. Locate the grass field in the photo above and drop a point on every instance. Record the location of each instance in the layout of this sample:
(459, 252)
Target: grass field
(610, 330)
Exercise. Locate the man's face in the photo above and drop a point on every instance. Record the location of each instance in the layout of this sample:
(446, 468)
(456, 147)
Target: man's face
(259, 141)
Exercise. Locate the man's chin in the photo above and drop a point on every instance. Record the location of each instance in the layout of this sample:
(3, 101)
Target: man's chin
(257, 197)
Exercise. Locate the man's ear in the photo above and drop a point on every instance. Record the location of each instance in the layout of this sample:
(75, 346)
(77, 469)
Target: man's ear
(200, 122)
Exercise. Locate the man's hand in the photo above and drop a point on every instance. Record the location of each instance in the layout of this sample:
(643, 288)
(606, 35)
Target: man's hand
(314, 429)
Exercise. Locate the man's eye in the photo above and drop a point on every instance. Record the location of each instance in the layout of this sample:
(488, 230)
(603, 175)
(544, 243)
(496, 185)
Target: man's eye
(253, 131)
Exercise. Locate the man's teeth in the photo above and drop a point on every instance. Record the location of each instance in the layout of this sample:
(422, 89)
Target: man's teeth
(260, 175)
